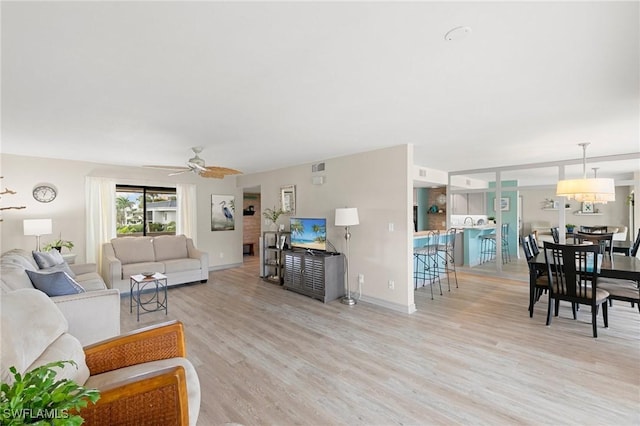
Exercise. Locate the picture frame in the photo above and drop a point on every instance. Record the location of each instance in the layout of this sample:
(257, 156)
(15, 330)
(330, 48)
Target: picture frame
(505, 204)
(288, 199)
(587, 207)
(223, 212)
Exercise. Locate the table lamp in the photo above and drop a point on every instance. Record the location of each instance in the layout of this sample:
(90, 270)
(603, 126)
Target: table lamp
(37, 227)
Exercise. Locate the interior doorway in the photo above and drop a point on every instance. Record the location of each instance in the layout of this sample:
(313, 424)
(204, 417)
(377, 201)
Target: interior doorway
(251, 226)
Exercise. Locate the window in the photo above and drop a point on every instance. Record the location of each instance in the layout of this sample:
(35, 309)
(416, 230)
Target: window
(145, 210)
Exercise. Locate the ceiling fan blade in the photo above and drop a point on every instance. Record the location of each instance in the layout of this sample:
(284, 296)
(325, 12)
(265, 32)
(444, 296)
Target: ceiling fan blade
(167, 167)
(218, 172)
(179, 172)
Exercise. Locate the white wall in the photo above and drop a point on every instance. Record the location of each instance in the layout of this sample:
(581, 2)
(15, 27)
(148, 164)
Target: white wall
(21, 174)
(378, 184)
(616, 213)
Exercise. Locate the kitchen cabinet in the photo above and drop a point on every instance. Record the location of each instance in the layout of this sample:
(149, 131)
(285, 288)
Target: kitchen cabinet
(473, 203)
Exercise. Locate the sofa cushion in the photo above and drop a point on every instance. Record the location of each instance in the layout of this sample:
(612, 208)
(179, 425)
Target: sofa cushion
(170, 247)
(133, 249)
(180, 265)
(47, 259)
(55, 283)
(64, 348)
(91, 281)
(14, 277)
(104, 380)
(31, 322)
(138, 268)
(21, 258)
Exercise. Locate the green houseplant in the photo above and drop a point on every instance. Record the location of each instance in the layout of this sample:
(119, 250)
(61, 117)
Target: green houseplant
(272, 214)
(570, 227)
(38, 398)
(58, 245)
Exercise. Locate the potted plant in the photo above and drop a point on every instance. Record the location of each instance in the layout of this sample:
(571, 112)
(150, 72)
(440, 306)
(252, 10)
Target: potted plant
(38, 398)
(58, 245)
(273, 214)
(570, 227)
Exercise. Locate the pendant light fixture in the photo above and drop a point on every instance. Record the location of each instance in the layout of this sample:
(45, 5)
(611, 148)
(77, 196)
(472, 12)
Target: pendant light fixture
(596, 190)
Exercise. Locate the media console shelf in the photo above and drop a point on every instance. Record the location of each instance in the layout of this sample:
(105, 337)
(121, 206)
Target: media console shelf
(318, 275)
(273, 245)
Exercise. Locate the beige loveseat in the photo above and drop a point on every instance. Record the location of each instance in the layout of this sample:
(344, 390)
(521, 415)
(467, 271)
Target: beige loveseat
(172, 255)
(92, 315)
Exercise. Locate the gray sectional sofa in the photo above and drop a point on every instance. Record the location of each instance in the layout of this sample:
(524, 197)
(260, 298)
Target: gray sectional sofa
(93, 315)
(172, 255)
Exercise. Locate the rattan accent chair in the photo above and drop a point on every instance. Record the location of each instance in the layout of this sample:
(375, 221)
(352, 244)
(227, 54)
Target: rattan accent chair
(151, 395)
(144, 377)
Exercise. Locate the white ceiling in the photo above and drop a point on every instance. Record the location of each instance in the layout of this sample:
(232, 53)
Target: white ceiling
(265, 85)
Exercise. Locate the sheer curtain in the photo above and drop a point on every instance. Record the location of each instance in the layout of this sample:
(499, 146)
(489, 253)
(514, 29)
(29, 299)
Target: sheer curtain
(186, 220)
(101, 216)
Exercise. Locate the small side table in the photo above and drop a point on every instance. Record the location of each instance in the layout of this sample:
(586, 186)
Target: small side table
(149, 293)
(70, 258)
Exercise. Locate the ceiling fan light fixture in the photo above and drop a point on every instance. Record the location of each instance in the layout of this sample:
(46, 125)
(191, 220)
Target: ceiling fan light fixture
(595, 190)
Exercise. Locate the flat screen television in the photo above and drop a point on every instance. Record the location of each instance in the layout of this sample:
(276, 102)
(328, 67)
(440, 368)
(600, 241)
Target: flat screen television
(308, 233)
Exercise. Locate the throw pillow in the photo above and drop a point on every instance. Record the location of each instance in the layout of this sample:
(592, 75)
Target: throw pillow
(52, 261)
(55, 283)
(47, 259)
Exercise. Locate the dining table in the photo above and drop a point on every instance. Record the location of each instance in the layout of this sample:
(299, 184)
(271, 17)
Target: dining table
(621, 267)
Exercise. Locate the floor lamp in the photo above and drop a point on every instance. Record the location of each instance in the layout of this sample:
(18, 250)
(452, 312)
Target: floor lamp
(347, 217)
(37, 227)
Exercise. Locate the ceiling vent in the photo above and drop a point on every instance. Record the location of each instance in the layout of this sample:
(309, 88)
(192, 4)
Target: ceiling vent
(318, 167)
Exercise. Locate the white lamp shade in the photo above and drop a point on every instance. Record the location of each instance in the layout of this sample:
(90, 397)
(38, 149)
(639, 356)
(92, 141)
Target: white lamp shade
(595, 190)
(347, 216)
(37, 227)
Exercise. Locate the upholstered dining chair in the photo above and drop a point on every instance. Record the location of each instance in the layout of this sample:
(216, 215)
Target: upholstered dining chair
(604, 241)
(573, 276)
(541, 283)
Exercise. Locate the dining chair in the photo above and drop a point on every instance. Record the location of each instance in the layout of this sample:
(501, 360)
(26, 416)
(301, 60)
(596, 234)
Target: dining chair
(593, 229)
(555, 234)
(636, 245)
(573, 276)
(535, 248)
(541, 283)
(604, 241)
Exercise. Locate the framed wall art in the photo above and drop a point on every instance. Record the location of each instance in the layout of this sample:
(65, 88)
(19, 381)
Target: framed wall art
(223, 212)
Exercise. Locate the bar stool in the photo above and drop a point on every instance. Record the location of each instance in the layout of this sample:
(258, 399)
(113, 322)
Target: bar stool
(506, 255)
(426, 262)
(446, 252)
(487, 246)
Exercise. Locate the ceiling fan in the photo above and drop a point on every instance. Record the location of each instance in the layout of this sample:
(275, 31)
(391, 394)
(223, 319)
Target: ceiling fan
(197, 166)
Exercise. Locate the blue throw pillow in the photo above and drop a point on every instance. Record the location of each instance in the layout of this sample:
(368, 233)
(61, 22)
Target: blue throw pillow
(55, 283)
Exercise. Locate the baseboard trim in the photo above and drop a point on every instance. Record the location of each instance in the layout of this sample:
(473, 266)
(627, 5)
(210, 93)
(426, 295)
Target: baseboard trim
(389, 305)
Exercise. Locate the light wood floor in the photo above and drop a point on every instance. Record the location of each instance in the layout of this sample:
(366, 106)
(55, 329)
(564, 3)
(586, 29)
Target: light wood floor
(266, 356)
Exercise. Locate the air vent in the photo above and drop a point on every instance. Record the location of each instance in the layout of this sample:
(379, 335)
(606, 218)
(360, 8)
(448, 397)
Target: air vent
(318, 167)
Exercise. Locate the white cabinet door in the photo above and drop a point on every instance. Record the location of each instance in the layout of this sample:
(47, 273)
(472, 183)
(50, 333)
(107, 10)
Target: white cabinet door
(460, 205)
(477, 203)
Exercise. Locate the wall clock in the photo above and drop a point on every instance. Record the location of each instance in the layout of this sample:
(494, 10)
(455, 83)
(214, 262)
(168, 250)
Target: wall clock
(45, 193)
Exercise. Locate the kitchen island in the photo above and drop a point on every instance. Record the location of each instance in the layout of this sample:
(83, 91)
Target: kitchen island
(472, 242)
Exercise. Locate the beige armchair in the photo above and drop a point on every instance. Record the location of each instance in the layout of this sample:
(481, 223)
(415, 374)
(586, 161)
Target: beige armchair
(146, 369)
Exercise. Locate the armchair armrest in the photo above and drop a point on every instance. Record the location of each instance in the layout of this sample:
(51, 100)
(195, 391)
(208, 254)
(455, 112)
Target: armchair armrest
(160, 341)
(158, 395)
(92, 316)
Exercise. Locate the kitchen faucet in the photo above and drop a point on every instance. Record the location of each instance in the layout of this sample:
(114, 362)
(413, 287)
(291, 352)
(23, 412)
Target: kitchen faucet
(465, 220)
